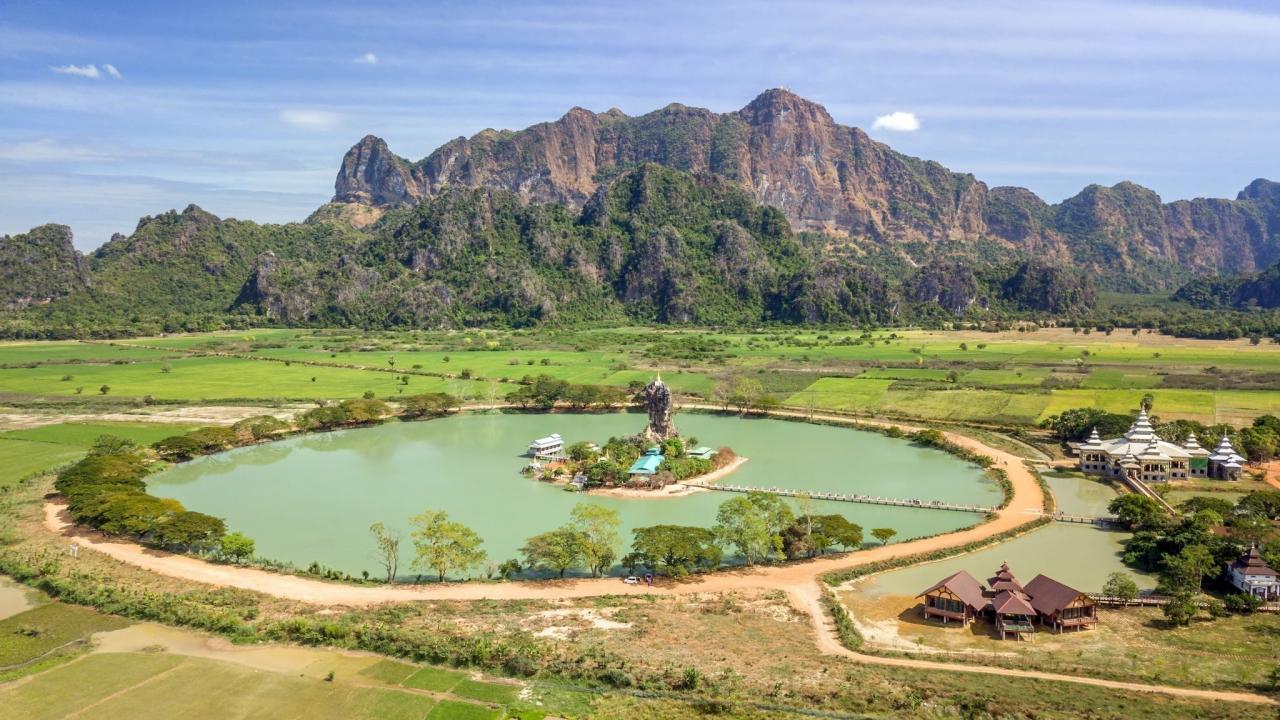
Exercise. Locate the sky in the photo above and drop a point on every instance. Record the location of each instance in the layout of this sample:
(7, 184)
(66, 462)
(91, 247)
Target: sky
(110, 111)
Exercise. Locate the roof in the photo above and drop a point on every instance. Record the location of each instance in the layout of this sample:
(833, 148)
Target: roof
(1003, 580)
(1192, 446)
(1093, 443)
(1140, 441)
(701, 451)
(1251, 563)
(646, 464)
(1011, 603)
(1048, 596)
(552, 439)
(1225, 453)
(964, 586)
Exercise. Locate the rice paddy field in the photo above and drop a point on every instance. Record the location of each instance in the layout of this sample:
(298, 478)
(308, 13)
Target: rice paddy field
(1009, 378)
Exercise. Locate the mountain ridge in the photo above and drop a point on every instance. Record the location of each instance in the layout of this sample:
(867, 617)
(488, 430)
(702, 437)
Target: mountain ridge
(652, 245)
(790, 153)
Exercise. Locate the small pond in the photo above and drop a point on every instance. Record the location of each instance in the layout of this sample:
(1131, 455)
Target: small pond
(312, 498)
(1078, 555)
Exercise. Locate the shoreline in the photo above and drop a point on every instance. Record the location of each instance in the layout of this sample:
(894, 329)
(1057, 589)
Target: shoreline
(674, 490)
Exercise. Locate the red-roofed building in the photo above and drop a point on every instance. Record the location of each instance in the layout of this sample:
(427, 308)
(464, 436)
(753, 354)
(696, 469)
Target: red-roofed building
(1012, 608)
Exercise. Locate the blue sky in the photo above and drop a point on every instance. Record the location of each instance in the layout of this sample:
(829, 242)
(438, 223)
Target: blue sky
(114, 110)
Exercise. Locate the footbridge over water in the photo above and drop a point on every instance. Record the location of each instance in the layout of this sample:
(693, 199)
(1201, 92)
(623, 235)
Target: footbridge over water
(848, 497)
(1096, 520)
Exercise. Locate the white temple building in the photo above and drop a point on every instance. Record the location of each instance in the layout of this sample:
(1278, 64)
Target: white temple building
(1250, 574)
(1141, 454)
(1225, 462)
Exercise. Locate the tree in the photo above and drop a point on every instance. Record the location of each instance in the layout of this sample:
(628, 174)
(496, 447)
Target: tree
(835, 530)
(556, 550)
(1259, 443)
(582, 452)
(1181, 609)
(1136, 511)
(597, 526)
(884, 535)
(112, 445)
(387, 543)
(1120, 585)
(1261, 503)
(260, 427)
(192, 531)
(509, 569)
(1185, 571)
(811, 535)
(745, 393)
(178, 447)
(236, 546)
(677, 549)
(444, 546)
(753, 524)
(433, 404)
(1077, 423)
(1222, 507)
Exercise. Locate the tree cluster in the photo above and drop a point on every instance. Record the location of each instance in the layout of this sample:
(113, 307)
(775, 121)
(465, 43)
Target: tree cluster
(1187, 552)
(106, 490)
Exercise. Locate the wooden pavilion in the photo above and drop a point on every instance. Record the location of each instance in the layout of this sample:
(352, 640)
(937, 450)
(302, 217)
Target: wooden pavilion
(1013, 614)
(958, 597)
(1061, 606)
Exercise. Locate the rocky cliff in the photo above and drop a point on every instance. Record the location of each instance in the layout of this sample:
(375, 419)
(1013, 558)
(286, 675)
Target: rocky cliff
(788, 153)
(40, 266)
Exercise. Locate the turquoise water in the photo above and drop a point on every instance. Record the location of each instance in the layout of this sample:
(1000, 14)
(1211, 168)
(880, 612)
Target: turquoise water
(312, 498)
(1078, 555)
(1076, 494)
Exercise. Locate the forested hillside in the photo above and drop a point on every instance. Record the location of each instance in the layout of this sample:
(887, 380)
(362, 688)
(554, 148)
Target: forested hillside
(653, 245)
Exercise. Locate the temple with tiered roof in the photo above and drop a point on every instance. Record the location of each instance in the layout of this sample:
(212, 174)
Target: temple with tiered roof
(1142, 455)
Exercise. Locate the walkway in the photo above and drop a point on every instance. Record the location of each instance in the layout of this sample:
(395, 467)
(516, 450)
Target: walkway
(801, 581)
(845, 497)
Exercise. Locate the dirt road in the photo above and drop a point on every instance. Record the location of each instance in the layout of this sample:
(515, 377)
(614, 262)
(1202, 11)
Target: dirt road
(801, 581)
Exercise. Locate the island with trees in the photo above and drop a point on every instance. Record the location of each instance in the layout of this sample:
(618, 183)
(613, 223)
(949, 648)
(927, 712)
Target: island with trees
(657, 459)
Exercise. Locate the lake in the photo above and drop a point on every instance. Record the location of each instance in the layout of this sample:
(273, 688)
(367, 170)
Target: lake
(313, 497)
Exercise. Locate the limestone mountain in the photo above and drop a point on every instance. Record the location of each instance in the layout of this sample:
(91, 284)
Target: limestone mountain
(788, 153)
(652, 244)
(1242, 292)
(40, 266)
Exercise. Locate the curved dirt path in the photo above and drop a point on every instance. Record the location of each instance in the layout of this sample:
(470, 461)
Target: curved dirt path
(1026, 505)
(801, 581)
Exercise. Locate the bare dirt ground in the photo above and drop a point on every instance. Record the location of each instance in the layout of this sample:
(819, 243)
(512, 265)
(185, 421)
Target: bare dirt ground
(801, 581)
(207, 415)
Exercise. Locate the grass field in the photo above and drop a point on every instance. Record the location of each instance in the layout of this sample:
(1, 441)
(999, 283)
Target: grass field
(83, 435)
(41, 630)
(133, 685)
(1010, 377)
(20, 458)
(24, 452)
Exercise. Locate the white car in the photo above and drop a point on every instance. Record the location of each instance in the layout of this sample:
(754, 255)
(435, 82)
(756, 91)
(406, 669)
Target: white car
(631, 580)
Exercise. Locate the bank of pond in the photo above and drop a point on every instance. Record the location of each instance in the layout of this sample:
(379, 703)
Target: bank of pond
(309, 500)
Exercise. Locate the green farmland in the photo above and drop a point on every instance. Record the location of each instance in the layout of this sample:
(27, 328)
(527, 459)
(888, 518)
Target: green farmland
(1007, 378)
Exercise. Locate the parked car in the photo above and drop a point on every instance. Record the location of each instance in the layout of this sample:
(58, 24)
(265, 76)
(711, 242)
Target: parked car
(631, 580)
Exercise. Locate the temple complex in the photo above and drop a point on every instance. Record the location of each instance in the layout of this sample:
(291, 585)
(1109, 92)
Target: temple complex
(1140, 454)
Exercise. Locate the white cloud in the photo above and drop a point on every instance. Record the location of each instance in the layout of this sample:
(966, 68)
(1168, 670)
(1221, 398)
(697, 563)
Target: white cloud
(312, 119)
(89, 71)
(367, 59)
(50, 150)
(112, 71)
(897, 122)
